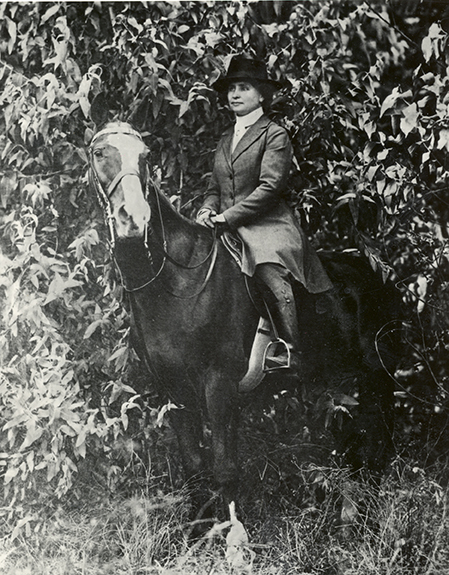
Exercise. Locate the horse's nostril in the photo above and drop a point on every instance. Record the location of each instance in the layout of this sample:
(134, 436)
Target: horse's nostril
(123, 214)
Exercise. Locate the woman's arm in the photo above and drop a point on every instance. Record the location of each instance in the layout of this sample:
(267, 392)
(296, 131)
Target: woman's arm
(212, 195)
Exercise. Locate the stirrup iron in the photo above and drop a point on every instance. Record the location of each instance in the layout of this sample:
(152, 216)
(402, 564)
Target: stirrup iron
(274, 349)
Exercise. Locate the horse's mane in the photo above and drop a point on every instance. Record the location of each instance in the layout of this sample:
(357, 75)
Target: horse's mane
(170, 211)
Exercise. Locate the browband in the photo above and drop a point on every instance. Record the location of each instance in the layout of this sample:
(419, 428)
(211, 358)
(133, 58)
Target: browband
(117, 129)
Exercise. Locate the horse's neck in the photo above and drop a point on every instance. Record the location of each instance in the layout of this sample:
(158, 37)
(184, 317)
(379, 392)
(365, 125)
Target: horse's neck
(133, 261)
(179, 237)
(171, 235)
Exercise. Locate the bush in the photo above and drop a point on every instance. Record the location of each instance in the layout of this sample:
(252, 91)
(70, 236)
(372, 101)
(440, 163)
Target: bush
(367, 114)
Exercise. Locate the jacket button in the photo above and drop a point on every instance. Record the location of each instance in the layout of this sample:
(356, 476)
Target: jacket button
(230, 176)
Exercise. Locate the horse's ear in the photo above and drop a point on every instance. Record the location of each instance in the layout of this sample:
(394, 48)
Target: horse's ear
(99, 109)
(138, 118)
(88, 135)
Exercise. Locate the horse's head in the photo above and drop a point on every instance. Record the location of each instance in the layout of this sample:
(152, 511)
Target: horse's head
(119, 174)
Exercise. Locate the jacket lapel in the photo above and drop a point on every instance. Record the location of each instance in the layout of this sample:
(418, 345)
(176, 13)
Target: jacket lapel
(252, 134)
(226, 144)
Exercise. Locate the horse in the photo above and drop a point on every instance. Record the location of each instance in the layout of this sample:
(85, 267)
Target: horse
(194, 320)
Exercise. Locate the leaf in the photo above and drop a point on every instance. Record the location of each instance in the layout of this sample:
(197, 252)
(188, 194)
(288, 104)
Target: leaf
(30, 461)
(18, 527)
(55, 289)
(67, 378)
(85, 106)
(11, 472)
(371, 172)
(410, 120)
(133, 22)
(37, 193)
(33, 434)
(92, 328)
(163, 411)
(213, 38)
(12, 31)
(443, 139)
(118, 388)
(50, 12)
(435, 31)
(15, 422)
(344, 399)
(8, 185)
(183, 108)
(151, 62)
(389, 101)
(344, 199)
(67, 430)
(84, 243)
(80, 447)
(427, 48)
(421, 286)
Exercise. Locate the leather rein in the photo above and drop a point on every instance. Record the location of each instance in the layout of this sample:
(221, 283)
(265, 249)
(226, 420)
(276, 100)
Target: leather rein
(104, 196)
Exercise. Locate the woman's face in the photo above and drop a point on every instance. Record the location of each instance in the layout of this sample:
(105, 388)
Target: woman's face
(243, 98)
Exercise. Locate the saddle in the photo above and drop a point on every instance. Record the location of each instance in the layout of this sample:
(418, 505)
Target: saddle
(266, 335)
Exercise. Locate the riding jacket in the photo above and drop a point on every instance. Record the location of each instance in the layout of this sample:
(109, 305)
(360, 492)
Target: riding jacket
(248, 186)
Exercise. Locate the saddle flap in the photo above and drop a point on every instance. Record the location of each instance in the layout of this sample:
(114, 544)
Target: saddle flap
(234, 246)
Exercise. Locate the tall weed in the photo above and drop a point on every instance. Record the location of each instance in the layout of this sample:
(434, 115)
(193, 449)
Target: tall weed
(398, 528)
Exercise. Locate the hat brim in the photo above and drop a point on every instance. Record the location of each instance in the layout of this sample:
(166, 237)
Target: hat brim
(222, 84)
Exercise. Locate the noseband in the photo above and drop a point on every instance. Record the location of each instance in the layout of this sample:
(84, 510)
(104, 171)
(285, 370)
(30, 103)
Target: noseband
(104, 197)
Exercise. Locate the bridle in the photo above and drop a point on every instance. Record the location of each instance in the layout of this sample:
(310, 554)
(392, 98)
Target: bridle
(104, 197)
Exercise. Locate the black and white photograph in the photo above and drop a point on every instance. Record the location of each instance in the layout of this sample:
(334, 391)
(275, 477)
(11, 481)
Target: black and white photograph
(224, 287)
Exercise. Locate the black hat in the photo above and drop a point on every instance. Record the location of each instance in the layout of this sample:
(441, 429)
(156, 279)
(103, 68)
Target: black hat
(242, 68)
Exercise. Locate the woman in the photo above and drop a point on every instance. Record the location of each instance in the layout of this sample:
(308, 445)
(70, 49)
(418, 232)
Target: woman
(246, 194)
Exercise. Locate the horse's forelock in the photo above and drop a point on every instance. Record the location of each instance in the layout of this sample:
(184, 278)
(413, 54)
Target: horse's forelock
(116, 128)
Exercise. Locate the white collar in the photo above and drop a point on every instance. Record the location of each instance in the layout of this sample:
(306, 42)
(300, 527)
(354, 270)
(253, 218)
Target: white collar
(242, 122)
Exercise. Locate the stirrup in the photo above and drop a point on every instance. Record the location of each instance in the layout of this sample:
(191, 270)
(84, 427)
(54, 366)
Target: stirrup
(274, 350)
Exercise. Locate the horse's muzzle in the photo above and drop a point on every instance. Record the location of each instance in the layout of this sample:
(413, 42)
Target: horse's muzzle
(131, 212)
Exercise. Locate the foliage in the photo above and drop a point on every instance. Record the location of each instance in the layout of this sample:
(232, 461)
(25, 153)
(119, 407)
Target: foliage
(48, 352)
(401, 529)
(367, 114)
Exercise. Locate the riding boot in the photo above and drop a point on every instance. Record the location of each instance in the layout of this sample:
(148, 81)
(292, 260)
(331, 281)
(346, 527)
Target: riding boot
(277, 291)
(287, 354)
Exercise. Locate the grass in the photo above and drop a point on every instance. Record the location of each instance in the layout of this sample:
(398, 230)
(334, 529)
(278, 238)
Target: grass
(343, 526)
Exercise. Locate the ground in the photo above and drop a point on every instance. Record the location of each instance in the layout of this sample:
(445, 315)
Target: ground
(304, 515)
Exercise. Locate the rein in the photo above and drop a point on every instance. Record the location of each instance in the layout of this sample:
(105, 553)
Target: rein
(104, 197)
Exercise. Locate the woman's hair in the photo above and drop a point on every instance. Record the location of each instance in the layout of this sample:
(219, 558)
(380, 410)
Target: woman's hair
(266, 91)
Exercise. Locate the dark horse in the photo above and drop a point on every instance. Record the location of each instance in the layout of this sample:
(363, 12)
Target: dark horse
(193, 322)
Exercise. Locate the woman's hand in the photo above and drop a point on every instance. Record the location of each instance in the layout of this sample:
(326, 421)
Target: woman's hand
(220, 223)
(204, 217)
(209, 218)
(220, 219)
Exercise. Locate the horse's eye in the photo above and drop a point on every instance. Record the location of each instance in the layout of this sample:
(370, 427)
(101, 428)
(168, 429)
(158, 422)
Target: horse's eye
(98, 153)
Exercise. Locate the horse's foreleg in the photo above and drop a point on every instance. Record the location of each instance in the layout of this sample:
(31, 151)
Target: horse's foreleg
(187, 426)
(222, 407)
